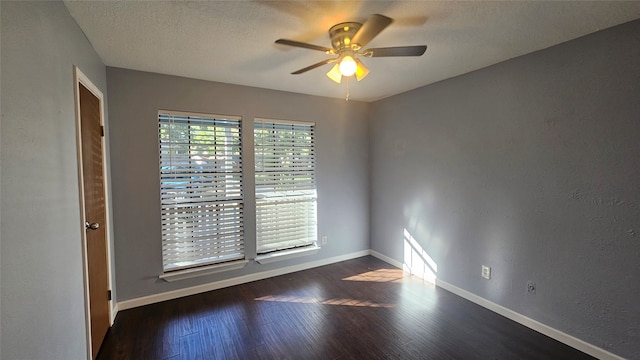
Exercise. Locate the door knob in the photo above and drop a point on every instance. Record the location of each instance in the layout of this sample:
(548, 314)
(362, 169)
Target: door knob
(91, 226)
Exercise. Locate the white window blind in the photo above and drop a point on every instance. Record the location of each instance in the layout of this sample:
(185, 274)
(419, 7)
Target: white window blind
(200, 189)
(285, 185)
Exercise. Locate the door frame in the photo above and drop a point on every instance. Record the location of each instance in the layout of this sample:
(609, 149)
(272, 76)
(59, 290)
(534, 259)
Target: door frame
(80, 78)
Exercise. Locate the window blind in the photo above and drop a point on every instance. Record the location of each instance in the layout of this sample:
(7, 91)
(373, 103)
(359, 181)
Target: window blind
(285, 185)
(200, 189)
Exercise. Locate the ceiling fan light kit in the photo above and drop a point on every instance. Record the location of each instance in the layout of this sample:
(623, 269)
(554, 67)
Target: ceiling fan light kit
(348, 40)
(335, 74)
(347, 66)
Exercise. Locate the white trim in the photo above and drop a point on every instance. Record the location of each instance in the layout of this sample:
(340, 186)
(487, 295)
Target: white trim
(114, 311)
(77, 75)
(387, 259)
(286, 254)
(169, 295)
(555, 334)
(114, 306)
(204, 270)
(191, 113)
(565, 338)
(80, 78)
(293, 122)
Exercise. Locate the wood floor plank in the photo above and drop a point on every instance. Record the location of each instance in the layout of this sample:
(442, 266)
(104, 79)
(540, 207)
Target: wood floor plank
(357, 309)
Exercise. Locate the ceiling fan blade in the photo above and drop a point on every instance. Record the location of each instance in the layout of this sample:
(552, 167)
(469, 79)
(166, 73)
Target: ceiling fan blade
(311, 67)
(397, 51)
(304, 45)
(370, 29)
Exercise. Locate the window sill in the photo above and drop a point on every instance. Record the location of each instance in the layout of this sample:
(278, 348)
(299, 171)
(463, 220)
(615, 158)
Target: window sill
(202, 271)
(286, 254)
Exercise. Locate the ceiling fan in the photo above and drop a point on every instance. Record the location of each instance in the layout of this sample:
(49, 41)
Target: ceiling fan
(348, 40)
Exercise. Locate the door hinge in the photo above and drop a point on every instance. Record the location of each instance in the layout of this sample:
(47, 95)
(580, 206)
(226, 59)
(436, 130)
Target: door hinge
(101, 130)
(108, 294)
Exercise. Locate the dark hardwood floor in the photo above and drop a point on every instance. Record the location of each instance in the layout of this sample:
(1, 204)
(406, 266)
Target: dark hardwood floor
(357, 309)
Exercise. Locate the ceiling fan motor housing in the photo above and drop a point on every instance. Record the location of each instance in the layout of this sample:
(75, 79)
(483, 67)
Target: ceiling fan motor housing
(341, 35)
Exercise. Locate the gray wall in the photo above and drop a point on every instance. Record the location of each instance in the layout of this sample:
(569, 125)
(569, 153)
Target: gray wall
(134, 100)
(532, 167)
(41, 285)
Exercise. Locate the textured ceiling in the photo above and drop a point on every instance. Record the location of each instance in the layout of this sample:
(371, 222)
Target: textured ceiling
(233, 41)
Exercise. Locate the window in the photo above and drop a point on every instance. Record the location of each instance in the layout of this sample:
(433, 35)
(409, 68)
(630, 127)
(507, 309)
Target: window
(200, 189)
(285, 185)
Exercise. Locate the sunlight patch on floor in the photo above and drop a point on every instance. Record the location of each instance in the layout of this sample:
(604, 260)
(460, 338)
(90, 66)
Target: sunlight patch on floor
(335, 301)
(380, 275)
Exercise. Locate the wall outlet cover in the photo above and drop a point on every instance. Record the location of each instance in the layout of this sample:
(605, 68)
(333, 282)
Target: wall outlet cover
(486, 272)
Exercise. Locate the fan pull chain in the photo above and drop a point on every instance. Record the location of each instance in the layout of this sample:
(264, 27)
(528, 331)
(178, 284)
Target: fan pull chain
(347, 97)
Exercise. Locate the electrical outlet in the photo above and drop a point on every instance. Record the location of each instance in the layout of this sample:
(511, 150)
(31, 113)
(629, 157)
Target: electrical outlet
(486, 272)
(531, 287)
(324, 240)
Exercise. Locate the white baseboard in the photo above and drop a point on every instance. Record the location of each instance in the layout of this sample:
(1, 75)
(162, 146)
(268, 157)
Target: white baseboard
(565, 338)
(387, 259)
(555, 334)
(114, 312)
(170, 295)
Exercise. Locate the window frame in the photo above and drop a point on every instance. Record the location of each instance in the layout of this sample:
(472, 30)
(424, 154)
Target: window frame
(216, 202)
(310, 245)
